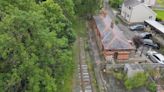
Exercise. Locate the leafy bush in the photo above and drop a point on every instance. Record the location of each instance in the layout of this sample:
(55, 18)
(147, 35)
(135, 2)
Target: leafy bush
(152, 87)
(118, 75)
(158, 19)
(137, 80)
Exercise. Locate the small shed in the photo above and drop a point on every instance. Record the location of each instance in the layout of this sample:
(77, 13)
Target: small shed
(132, 69)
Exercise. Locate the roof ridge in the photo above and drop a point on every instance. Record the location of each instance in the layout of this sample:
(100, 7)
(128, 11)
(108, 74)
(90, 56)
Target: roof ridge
(131, 3)
(121, 39)
(112, 38)
(148, 8)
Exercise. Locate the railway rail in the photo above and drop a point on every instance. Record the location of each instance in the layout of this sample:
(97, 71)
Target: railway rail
(84, 75)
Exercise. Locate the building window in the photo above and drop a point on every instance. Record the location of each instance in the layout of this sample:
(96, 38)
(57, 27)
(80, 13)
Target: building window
(112, 24)
(130, 8)
(128, 15)
(150, 17)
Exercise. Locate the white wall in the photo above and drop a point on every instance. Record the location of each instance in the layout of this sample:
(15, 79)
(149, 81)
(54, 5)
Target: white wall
(123, 10)
(141, 13)
(150, 2)
(126, 12)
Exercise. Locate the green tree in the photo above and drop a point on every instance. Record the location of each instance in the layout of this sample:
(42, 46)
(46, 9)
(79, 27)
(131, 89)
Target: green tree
(35, 46)
(86, 8)
(58, 22)
(67, 7)
(115, 3)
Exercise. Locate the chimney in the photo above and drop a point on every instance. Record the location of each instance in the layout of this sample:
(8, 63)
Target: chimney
(112, 24)
(103, 12)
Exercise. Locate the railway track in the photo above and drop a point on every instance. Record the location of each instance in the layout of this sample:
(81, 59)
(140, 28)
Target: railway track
(84, 75)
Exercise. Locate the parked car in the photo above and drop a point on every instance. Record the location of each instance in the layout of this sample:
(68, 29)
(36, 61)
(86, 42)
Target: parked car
(145, 35)
(150, 43)
(155, 57)
(137, 27)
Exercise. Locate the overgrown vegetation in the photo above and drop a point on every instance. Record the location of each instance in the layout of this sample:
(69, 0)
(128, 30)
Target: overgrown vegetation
(162, 74)
(160, 2)
(140, 79)
(36, 39)
(115, 3)
(91, 67)
(79, 25)
(136, 81)
(119, 75)
(86, 8)
(35, 50)
(160, 14)
(152, 87)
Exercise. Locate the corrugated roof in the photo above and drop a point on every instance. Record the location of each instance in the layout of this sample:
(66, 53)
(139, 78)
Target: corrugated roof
(156, 25)
(112, 38)
(131, 2)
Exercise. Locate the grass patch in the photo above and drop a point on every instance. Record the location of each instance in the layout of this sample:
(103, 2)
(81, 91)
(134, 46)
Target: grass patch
(160, 14)
(69, 81)
(161, 2)
(79, 26)
(68, 85)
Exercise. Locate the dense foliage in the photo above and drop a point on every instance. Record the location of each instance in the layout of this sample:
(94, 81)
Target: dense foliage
(67, 7)
(136, 81)
(115, 3)
(152, 87)
(35, 45)
(86, 8)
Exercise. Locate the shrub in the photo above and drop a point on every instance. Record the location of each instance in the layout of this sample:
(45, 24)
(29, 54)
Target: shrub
(118, 75)
(158, 19)
(137, 80)
(152, 87)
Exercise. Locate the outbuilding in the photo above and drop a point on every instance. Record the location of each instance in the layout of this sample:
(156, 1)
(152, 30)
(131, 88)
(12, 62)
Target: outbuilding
(132, 69)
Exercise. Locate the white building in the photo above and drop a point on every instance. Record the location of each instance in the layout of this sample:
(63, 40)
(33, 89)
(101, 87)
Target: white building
(148, 2)
(134, 11)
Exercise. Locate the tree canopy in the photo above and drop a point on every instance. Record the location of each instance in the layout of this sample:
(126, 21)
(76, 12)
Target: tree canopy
(35, 45)
(115, 3)
(36, 38)
(86, 8)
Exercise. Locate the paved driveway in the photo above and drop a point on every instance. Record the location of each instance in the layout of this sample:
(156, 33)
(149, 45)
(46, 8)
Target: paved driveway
(128, 34)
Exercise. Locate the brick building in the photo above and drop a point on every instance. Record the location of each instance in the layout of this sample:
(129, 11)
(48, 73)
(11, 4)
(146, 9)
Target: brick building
(110, 38)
